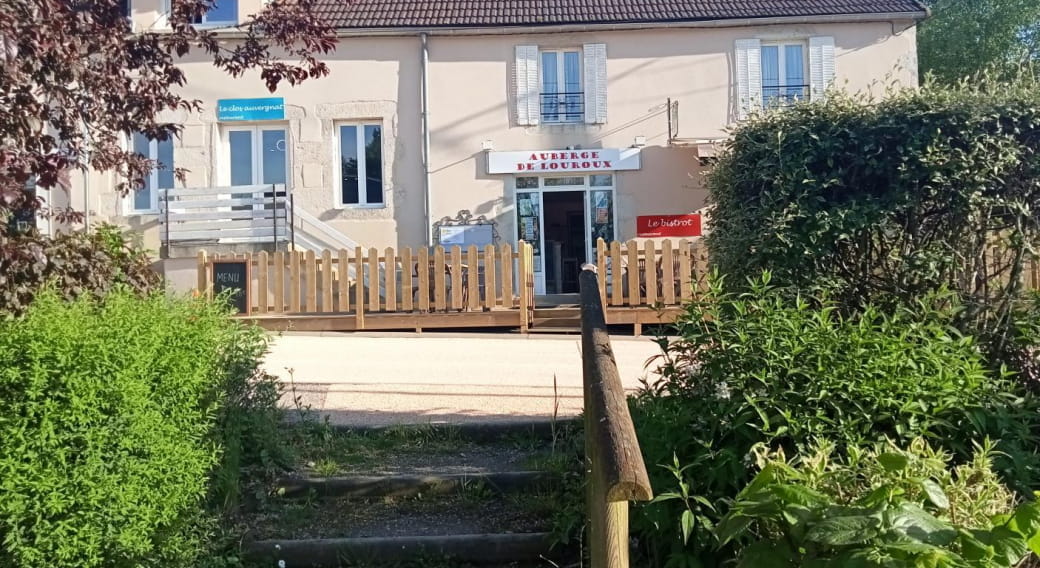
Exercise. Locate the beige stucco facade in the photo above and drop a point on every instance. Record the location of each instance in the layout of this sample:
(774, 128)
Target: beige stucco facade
(377, 78)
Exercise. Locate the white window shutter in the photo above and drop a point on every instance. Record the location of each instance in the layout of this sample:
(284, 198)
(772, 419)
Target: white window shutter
(595, 83)
(821, 66)
(527, 107)
(749, 76)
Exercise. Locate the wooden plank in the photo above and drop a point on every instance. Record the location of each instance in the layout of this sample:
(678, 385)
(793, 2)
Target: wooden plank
(344, 281)
(456, 277)
(634, 274)
(241, 233)
(237, 214)
(650, 260)
(522, 270)
(225, 190)
(250, 296)
(490, 289)
(202, 278)
(700, 267)
(278, 273)
(184, 205)
(601, 268)
(359, 288)
(423, 268)
(326, 281)
(473, 272)
(685, 271)
(667, 273)
(506, 256)
(295, 258)
(390, 268)
(616, 270)
(407, 283)
(262, 289)
(439, 286)
(373, 280)
(311, 279)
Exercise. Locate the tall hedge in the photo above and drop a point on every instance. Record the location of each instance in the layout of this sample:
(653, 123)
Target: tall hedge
(888, 199)
(110, 415)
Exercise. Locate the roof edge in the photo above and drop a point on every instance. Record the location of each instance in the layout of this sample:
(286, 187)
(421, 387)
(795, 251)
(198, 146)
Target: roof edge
(523, 29)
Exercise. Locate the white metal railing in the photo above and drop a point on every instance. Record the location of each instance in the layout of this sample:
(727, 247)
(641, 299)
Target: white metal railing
(235, 214)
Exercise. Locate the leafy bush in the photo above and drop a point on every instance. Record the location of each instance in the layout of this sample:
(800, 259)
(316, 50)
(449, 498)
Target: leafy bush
(881, 507)
(112, 417)
(73, 264)
(761, 367)
(886, 201)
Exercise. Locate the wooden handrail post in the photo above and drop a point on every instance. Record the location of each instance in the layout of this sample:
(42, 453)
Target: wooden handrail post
(615, 468)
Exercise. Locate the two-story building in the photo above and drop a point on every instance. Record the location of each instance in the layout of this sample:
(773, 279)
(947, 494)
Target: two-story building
(454, 121)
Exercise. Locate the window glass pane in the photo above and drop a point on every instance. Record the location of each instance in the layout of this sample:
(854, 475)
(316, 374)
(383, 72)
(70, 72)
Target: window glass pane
(562, 181)
(143, 197)
(575, 101)
(794, 68)
(223, 11)
(348, 153)
(273, 156)
(602, 215)
(550, 73)
(374, 163)
(528, 229)
(165, 157)
(601, 180)
(770, 73)
(241, 144)
(527, 183)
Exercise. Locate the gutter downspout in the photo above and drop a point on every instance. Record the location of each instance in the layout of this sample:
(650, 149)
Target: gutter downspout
(425, 110)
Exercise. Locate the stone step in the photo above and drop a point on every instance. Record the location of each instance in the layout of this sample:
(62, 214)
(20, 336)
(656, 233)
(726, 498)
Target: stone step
(367, 486)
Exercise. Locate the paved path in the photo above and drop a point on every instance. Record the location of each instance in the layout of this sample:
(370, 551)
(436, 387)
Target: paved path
(370, 379)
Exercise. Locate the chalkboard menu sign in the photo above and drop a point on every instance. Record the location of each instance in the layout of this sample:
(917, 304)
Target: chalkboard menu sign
(232, 275)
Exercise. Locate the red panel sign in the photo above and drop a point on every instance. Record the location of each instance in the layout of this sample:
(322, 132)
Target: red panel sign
(668, 225)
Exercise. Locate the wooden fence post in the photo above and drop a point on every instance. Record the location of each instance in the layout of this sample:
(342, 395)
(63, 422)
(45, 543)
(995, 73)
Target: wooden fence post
(203, 279)
(614, 461)
(523, 269)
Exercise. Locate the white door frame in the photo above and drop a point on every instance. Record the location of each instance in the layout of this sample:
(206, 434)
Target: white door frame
(586, 189)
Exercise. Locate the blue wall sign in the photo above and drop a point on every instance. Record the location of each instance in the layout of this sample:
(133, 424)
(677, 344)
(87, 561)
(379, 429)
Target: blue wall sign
(272, 108)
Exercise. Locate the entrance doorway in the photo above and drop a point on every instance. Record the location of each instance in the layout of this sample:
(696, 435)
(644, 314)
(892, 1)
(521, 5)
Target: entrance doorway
(561, 217)
(564, 240)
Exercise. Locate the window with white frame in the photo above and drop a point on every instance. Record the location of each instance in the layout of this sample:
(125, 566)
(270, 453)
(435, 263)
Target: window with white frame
(776, 73)
(222, 12)
(160, 152)
(360, 164)
(561, 96)
(783, 74)
(556, 86)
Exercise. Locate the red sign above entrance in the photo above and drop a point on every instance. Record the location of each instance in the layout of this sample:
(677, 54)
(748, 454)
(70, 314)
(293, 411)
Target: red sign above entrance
(668, 225)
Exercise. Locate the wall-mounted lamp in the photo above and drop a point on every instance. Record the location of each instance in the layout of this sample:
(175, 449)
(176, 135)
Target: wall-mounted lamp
(639, 142)
(487, 145)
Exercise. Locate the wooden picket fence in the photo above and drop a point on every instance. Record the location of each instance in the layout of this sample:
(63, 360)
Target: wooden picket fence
(651, 274)
(389, 281)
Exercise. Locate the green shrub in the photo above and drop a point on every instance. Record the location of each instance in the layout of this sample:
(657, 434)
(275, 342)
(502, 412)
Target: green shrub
(108, 427)
(73, 264)
(761, 367)
(886, 201)
(883, 507)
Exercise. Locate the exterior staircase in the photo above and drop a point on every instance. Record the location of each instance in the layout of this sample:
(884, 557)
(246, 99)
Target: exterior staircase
(486, 498)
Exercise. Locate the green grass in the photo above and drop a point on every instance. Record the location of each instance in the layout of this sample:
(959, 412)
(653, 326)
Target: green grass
(330, 451)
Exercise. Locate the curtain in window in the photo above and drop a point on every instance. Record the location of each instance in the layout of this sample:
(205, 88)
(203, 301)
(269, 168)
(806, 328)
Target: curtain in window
(770, 74)
(550, 86)
(794, 69)
(572, 85)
